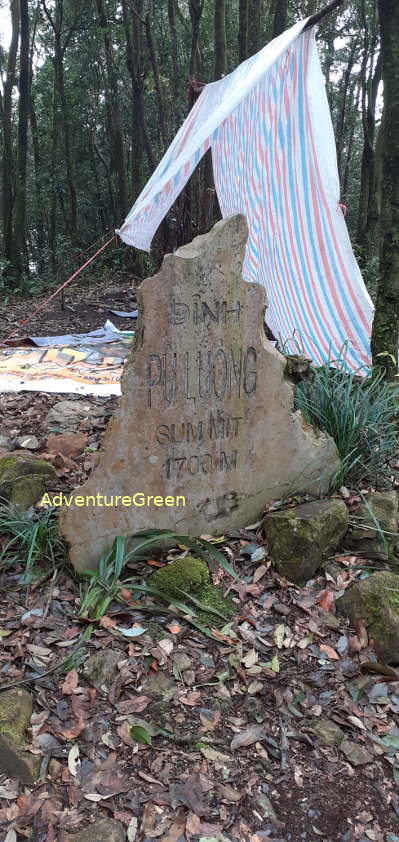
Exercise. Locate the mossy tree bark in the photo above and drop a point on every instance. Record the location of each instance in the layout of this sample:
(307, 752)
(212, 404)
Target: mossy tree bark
(386, 320)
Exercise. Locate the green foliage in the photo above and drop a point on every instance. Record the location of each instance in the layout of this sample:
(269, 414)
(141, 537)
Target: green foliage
(103, 585)
(361, 415)
(31, 539)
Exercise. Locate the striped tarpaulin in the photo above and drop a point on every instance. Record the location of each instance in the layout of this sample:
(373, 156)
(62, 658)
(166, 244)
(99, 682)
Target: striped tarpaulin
(269, 127)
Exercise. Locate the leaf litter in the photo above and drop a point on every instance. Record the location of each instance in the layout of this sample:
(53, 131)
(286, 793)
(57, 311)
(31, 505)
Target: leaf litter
(226, 746)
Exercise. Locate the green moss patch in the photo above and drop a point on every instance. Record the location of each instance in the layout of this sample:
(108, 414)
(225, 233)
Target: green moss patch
(187, 574)
(191, 575)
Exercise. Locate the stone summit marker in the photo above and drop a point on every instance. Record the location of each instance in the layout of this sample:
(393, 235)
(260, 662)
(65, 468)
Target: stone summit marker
(206, 412)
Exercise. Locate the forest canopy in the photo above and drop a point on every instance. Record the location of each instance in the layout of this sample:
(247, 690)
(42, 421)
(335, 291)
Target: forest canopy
(93, 92)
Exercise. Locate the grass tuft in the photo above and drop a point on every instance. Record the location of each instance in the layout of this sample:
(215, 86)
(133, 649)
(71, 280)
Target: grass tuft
(361, 415)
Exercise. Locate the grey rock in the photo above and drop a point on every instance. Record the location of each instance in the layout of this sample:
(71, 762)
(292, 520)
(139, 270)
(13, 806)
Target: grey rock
(101, 669)
(365, 539)
(375, 600)
(329, 619)
(159, 686)
(300, 538)
(326, 732)
(355, 753)
(181, 661)
(202, 389)
(28, 442)
(15, 714)
(67, 415)
(101, 830)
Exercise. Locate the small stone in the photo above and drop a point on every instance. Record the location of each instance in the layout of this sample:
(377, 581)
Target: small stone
(159, 686)
(189, 677)
(67, 415)
(281, 608)
(101, 669)
(69, 444)
(181, 661)
(355, 753)
(28, 442)
(300, 538)
(326, 732)
(329, 619)
(15, 714)
(101, 830)
(6, 442)
(24, 479)
(375, 600)
(365, 539)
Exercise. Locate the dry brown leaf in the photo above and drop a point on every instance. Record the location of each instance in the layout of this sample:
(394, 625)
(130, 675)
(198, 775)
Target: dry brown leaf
(328, 650)
(135, 705)
(70, 683)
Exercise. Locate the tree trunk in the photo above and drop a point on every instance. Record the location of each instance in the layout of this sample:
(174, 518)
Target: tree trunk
(196, 7)
(340, 130)
(156, 75)
(117, 133)
(8, 158)
(369, 97)
(280, 20)
(40, 241)
(386, 320)
(209, 198)
(254, 34)
(52, 235)
(23, 112)
(242, 29)
(64, 119)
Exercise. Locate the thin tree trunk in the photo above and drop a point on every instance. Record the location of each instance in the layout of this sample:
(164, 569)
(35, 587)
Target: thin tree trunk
(254, 32)
(386, 320)
(38, 187)
(23, 113)
(53, 202)
(8, 158)
(155, 71)
(340, 131)
(209, 199)
(242, 29)
(64, 119)
(117, 133)
(174, 51)
(280, 20)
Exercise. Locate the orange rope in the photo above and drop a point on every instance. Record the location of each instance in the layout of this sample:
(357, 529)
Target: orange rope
(61, 287)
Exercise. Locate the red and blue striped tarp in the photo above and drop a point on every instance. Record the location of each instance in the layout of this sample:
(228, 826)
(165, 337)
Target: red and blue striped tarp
(269, 127)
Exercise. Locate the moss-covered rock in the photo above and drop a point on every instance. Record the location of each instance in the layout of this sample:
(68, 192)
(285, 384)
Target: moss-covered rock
(15, 714)
(187, 574)
(375, 600)
(213, 596)
(24, 479)
(300, 538)
(191, 575)
(365, 538)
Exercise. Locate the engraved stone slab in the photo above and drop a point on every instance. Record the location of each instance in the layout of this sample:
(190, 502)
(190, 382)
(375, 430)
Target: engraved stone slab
(205, 413)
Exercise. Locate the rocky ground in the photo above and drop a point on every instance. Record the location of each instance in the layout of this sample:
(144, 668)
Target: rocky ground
(281, 725)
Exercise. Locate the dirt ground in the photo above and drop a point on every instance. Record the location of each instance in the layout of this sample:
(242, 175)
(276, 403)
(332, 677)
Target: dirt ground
(241, 747)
